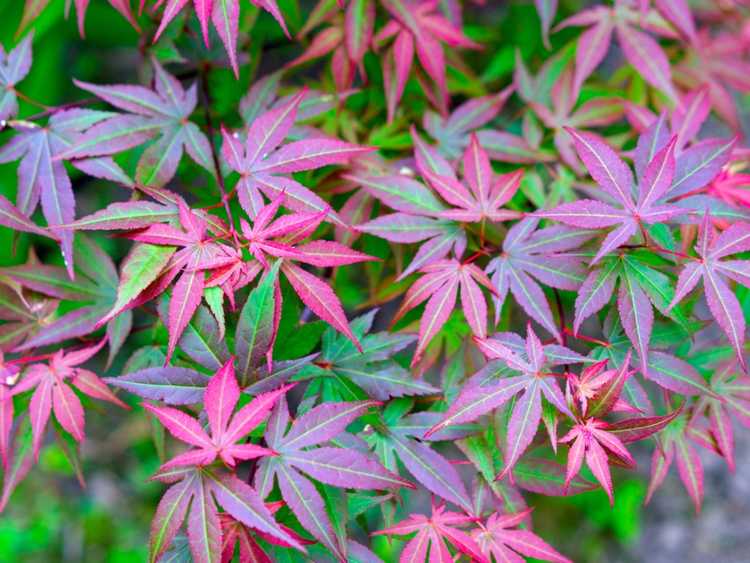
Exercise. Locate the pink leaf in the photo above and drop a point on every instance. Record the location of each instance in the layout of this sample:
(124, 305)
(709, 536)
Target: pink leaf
(222, 394)
(592, 47)
(309, 154)
(325, 253)
(323, 423)
(608, 169)
(647, 57)
(524, 422)
(40, 408)
(252, 414)
(321, 299)
(180, 425)
(436, 313)
(225, 16)
(186, 296)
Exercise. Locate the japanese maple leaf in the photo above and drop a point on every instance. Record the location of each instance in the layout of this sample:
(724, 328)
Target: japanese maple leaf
(194, 495)
(42, 176)
(485, 195)
(402, 436)
(530, 358)
(373, 369)
(280, 239)
(597, 112)
(94, 289)
(422, 216)
(717, 62)
(439, 287)
(415, 27)
(714, 271)
(9, 374)
(526, 148)
(204, 344)
(591, 441)
(501, 538)
(677, 443)
(24, 313)
(52, 392)
(162, 112)
(732, 400)
(484, 392)
(528, 255)
(639, 48)
(235, 533)
(595, 385)
(348, 37)
(416, 219)
(223, 14)
(452, 133)
(697, 162)
(641, 289)
(615, 178)
(14, 66)
(33, 9)
(264, 95)
(339, 467)
(434, 534)
(226, 429)
(731, 187)
(264, 163)
(196, 254)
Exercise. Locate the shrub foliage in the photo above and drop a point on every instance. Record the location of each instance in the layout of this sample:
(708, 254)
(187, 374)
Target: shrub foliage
(397, 268)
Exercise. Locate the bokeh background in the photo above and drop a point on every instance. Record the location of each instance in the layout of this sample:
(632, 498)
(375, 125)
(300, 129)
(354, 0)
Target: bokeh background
(54, 517)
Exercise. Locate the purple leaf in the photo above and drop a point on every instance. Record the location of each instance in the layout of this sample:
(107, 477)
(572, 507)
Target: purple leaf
(323, 423)
(203, 526)
(432, 471)
(309, 508)
(169, 516)
(344, 468)
(524, 422)
(609, 171)
(321, 299)
(648, 58)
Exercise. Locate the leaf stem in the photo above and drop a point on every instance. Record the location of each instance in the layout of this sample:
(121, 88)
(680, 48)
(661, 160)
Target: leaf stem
(567, 330)
(30, 100)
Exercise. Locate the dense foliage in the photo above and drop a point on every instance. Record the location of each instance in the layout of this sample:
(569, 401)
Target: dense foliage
(376, 268)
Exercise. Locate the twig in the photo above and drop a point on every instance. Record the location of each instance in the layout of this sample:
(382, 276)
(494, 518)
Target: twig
(214, 154)
(561, 314)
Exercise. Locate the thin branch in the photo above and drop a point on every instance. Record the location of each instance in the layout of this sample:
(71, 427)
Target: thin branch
(206, 100)
(561, 314)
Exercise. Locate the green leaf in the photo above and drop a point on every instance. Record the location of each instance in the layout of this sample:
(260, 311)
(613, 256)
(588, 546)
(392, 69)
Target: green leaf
(142, 266)
(256, 328)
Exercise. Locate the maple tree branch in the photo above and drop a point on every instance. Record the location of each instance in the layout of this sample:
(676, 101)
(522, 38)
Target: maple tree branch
(561, 314)
(206, 100)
